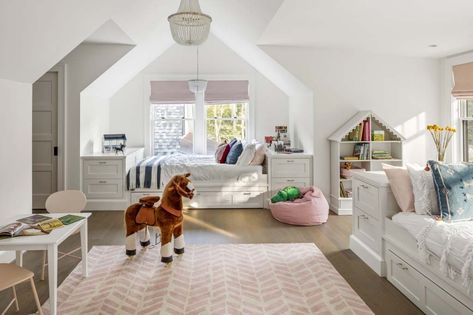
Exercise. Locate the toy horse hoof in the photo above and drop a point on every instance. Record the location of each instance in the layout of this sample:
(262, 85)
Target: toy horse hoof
(179, 251)
(166, 260)
(131, 252)
(144, 244)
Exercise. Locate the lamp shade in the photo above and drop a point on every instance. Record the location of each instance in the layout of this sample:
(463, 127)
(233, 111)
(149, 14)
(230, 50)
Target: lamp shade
(189, 26)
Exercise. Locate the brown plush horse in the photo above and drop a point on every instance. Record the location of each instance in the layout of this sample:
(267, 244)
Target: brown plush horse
(168, 217)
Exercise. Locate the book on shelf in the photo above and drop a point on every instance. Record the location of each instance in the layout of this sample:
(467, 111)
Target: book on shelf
(361, 150)
(366, 130)
(349, 158)
(381, 155)
(378, 135)
(34, 219)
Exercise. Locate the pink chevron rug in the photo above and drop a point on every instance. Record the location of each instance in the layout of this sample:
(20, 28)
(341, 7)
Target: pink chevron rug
(210, 279)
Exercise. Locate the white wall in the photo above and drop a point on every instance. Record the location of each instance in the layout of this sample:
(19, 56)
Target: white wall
(83, 65)
(15, 160)
(179, 62)
(404, 91)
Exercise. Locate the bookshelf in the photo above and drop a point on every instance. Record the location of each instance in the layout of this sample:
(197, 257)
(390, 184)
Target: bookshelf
(355, 139)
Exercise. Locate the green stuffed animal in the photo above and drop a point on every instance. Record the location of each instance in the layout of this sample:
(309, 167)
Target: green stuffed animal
(289, 193)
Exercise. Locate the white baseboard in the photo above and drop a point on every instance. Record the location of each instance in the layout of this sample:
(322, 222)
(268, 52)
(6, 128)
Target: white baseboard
(371, 258)
(7, 257)
(343, 211)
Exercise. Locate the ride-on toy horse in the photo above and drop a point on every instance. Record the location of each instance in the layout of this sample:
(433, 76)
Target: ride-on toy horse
(167, 216)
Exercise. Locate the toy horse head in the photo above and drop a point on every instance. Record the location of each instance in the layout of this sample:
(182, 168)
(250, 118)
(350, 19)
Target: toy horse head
(183, 185)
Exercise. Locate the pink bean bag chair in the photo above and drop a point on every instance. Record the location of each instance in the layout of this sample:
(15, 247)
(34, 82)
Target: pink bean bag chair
(311, 209)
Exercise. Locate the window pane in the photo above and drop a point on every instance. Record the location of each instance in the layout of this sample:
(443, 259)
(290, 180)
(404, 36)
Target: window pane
(467, 107)
(171, 131)
(468, 140)
(219, 130)
(228, 111)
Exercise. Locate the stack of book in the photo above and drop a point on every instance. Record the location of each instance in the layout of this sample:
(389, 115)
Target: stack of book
(362, 132)
(36, 224)
(362, 151)
(381, 155)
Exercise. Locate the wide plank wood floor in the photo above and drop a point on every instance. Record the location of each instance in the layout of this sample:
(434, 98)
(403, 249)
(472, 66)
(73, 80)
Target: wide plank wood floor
(235, 226)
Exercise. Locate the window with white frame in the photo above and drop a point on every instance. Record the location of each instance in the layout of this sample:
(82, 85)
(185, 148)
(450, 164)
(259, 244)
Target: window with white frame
(184, 122)
(224, 122)
(172, 128)
(466, 119)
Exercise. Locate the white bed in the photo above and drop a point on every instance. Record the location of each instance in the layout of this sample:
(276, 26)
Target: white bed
(217, 185)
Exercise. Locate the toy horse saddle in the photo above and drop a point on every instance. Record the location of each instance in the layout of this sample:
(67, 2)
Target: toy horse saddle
(147, 212)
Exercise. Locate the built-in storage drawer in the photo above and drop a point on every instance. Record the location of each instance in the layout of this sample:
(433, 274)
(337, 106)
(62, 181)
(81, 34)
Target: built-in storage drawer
(248, 199)
(101, 168)
(103, 188)
(365, 197)
(135, 197)
(279, 183)
(210, 199)
(367, 229)
(287, 167)
(428, 296)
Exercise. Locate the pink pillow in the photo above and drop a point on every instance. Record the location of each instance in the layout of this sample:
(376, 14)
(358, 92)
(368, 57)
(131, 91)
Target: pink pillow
(401, 186)
(225, 153)
(219, 152)
(260, 154)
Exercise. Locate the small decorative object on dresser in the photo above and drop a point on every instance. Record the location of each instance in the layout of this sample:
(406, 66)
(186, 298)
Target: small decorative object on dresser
(353, 142)
(112, 142)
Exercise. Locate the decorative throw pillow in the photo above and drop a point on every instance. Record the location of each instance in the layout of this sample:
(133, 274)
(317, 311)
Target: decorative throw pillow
(232, 142)
(234, 153)
(401, 186)
(225, 153)
(219, 152)
(247, 155)
(454, 187)
(260, 154)
(425, 196)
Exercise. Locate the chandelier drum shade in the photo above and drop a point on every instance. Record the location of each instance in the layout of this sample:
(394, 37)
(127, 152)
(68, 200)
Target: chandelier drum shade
(189, 26)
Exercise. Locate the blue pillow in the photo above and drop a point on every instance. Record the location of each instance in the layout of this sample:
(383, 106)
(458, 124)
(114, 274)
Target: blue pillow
(234, 153)
(454, 187)
(232, 142)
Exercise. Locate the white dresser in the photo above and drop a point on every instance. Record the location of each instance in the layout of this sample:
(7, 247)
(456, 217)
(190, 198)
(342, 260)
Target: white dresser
(104, 178)
(289, 170)
(371, 192)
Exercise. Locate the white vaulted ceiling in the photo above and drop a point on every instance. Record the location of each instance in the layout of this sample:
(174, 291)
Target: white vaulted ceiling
(401, 27)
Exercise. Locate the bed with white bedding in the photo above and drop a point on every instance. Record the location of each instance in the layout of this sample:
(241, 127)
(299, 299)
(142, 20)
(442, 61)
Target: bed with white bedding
(218, 185)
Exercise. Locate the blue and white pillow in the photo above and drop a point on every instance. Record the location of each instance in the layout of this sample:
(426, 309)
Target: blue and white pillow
(454, 187)
(234, 153)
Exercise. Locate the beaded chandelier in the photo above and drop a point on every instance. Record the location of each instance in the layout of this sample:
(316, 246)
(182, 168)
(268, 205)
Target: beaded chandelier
(189, 26)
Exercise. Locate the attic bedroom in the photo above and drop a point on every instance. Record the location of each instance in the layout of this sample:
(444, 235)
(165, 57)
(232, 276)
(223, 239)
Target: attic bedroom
(236, 157)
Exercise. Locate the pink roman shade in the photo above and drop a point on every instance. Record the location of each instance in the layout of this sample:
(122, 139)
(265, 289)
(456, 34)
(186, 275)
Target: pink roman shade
(171, 92)
(463, 77)
(227, 91)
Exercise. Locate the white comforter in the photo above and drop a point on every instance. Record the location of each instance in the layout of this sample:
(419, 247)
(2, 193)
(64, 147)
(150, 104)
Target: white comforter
(204, 168)
(452, 243)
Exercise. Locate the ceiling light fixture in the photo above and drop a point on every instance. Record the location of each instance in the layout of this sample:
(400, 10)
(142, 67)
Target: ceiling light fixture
(189, 26)
(197, 86)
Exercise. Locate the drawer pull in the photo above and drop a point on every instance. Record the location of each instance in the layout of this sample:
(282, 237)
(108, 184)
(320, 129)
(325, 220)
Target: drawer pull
(405, 268)
(247, 194)
(363, 216)
(102, 181)
(102, 162)
(290, 180)
(364, 186)
(289, 161)
(399, 264)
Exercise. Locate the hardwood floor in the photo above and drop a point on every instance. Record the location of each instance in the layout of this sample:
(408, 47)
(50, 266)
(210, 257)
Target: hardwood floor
(236, 226)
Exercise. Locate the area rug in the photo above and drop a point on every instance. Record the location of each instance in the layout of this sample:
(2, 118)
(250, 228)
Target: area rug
(210, 279)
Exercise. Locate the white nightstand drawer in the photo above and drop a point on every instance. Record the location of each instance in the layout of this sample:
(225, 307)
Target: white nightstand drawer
(99, 168)
(287, 167)
(366, 197)
(103, 188)
(367, 229)
(279, 183)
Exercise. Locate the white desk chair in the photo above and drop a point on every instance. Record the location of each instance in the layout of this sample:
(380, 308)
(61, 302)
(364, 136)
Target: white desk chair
(64, 202)
(10, 276)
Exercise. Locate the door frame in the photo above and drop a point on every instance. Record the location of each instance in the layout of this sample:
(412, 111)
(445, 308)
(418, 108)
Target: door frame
(60, 69)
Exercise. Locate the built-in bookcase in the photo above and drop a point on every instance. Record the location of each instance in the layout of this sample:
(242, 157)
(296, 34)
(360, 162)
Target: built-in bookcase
(343, 143)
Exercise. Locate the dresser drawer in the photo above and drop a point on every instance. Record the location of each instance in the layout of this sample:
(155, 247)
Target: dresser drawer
(103, 188)
(288, 167)
(280, 183)
(367, 229)
(365, 197)
(102, 169)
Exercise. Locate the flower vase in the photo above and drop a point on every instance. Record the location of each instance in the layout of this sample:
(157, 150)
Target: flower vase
(441, 156)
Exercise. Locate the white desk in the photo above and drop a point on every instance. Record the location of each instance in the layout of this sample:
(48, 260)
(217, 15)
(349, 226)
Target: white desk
(50, 243)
